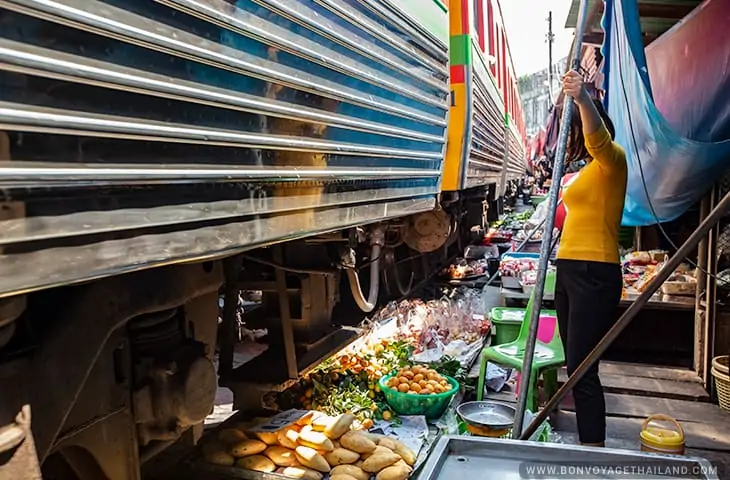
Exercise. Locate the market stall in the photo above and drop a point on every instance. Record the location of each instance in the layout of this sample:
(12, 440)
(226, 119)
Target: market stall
(640, 268)
(395, 404)
(394, 389)
(384, 407)
(518, 271)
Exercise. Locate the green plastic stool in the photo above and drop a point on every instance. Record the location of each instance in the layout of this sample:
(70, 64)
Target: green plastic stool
(549, 354)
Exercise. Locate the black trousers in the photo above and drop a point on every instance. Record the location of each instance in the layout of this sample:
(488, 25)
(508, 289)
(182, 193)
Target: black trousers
(586, 297)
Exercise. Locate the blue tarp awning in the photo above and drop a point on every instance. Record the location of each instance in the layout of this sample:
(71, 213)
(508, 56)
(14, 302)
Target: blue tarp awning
(671, 166)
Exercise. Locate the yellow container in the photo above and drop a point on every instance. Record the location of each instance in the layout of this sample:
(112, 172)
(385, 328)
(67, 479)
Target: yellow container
(662, 440)
(486, 432)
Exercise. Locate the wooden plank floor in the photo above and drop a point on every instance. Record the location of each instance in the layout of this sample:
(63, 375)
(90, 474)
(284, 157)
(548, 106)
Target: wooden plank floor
(649, 371)
(633, 392)
(650, 381)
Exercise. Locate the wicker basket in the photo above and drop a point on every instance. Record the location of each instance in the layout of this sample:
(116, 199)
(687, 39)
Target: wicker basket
(721, 372)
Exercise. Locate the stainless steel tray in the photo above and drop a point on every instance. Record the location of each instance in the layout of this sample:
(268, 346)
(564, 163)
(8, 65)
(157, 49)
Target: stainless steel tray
(487, 458)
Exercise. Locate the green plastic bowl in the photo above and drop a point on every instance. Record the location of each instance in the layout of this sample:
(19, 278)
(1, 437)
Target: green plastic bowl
(432, 406)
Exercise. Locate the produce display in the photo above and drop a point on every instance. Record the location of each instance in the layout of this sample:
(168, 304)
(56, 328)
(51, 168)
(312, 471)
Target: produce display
(511, 270)
(498, 235)
(528, 278)
(439, 323)
(513, 221)
(308, 446)
(466, 268)
(419, 381)
(413, 392)
(640, 268)
(444, 334)
(348, 382)
(523, 234)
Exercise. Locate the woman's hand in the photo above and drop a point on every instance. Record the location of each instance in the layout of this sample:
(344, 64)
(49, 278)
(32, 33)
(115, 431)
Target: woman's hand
(573, 86)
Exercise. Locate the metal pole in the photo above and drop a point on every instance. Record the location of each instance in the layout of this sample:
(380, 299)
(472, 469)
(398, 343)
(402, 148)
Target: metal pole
(547, 237)
(701, 316)
(550, 40)
(684, 251)
(229, 327)
(287, 328)
(505, 165)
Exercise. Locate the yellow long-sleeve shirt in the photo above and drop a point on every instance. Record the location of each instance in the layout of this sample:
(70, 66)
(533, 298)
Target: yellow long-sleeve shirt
(594, 203)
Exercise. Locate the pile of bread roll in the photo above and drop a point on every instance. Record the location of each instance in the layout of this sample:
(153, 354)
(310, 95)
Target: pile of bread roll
(310, 448)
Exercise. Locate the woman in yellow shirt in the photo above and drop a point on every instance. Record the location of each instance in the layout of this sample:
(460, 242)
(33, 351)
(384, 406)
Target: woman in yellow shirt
(589, 281)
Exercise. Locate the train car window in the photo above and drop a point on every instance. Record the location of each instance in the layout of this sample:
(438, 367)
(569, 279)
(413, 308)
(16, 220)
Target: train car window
(492, 41)
(475, 17)
(505, 59)
(478, 9)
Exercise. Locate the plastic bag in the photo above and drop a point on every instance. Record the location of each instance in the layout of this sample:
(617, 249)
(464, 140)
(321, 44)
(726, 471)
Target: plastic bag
(538, 217)
(543, 432)
(497, 377)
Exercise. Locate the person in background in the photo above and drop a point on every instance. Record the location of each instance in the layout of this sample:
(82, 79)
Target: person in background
(589, 281)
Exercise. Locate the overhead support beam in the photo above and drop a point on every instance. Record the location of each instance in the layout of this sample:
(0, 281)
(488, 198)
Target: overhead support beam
(593, 39)
(668, 12)
(658, 10)
(592, 20)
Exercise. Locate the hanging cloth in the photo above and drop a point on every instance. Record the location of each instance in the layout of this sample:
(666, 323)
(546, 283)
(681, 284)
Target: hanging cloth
(668, 171)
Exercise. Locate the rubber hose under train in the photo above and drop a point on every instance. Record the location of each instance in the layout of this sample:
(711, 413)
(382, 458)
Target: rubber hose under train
(377, 239)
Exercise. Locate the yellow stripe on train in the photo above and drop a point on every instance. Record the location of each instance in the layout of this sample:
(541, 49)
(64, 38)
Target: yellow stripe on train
(457, 134)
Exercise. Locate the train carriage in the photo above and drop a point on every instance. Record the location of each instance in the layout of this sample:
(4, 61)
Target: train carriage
(486, 128)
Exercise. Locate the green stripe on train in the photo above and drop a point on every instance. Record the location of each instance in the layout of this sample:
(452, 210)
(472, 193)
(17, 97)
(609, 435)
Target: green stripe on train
(460, 50)
(431, 14)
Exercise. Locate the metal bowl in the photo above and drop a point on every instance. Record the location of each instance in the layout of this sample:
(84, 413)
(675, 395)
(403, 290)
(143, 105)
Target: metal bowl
(487, 414)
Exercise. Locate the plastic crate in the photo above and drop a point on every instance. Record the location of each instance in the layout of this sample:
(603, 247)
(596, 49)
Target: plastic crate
(508, 321)
(514, 282)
